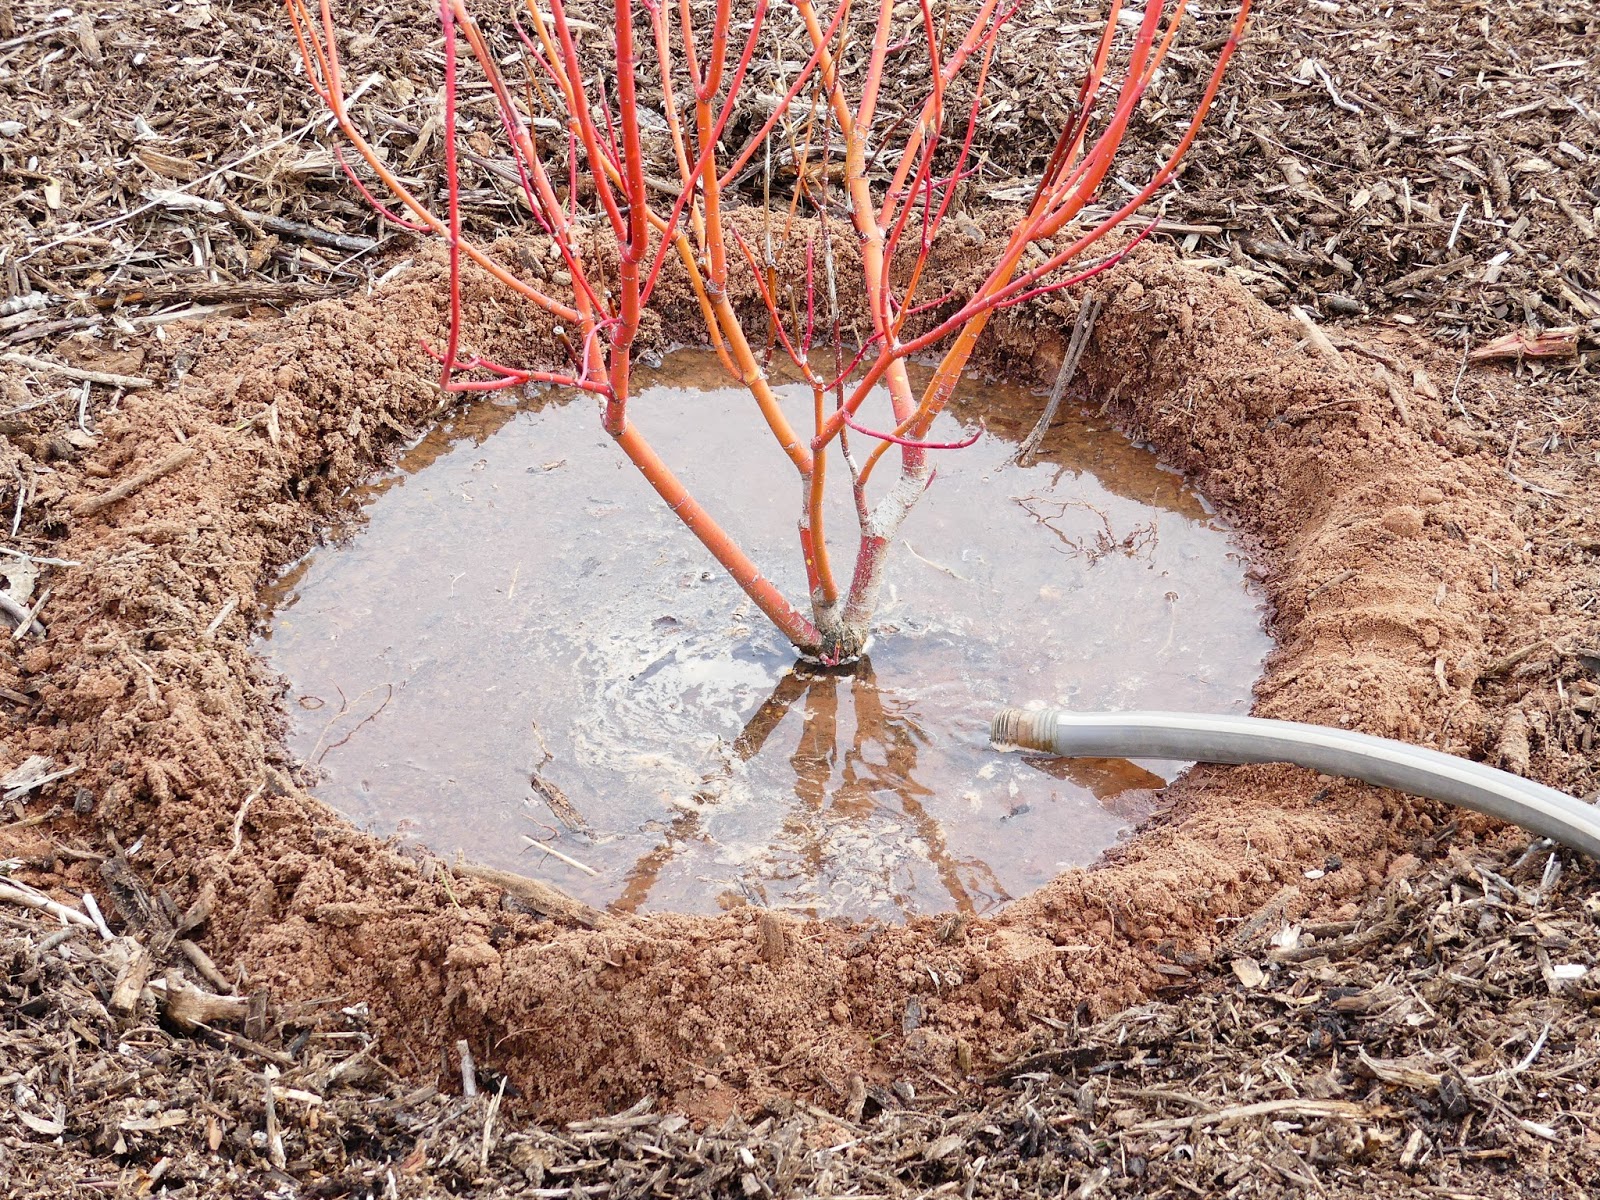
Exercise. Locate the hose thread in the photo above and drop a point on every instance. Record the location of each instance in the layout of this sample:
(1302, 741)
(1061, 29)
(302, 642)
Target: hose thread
(1025, 728)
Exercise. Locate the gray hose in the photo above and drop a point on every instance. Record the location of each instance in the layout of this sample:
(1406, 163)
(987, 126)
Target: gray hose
(1219, 739)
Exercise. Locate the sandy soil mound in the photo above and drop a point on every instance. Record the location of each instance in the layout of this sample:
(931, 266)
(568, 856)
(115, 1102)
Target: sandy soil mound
(1377, 539)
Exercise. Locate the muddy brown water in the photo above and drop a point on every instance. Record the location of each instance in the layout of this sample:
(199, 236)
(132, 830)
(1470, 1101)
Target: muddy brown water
(523, 657)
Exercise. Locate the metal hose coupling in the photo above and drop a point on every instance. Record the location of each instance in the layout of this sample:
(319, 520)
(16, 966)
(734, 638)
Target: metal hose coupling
(1197, 737)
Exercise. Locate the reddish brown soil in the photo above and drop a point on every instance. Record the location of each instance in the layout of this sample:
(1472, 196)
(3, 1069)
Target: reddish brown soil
(177, 734)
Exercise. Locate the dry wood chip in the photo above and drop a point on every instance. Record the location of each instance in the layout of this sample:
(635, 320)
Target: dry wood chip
(172, 1119)
(51, 1127)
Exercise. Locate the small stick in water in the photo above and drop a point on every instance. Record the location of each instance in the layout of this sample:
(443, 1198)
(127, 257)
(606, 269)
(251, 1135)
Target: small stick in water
(1088, 313)
(554, 853)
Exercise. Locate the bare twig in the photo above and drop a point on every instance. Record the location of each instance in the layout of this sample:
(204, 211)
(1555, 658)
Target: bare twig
(30, 619)
(238, 821)
(37, 558)
(554, 853)
(1319, 340)
(223, 614)
(1082, 330)
(95, 915)
(536, 894)
(133, 483)
(1516, 658)
(1333, 580)
(1240, 1112)
(310, 233)
(18, 893)
(23, 618)
(203, 964)
(126, 382)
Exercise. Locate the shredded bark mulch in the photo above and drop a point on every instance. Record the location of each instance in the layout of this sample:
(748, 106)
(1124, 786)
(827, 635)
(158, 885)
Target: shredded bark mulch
(1444, 1040)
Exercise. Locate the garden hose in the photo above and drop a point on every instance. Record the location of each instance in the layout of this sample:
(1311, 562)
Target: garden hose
(1200, 737)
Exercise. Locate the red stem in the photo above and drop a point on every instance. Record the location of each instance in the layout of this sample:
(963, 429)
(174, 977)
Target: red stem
(382, 209)
(897, 440)
(453, 183)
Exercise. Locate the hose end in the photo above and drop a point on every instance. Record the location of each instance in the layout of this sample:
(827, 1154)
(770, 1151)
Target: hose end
(1024, 729)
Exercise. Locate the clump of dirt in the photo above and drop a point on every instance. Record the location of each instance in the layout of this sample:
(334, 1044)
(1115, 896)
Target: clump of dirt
(1378, 536)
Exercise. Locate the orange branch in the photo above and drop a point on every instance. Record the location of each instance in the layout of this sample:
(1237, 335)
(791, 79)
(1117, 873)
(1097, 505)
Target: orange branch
(606, 176)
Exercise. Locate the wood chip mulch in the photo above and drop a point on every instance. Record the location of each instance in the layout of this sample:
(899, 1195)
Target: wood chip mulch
(1444, 1041)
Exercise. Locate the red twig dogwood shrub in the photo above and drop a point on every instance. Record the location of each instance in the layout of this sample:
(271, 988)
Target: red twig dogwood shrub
(885, 185)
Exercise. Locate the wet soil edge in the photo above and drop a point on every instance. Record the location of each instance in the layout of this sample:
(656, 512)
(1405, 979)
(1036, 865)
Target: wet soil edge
(179, 739)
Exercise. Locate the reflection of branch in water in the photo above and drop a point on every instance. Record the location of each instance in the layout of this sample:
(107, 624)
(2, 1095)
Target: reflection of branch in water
(821, 806)
(685, 827)
(1082, 328)
(897, 732)
(642, 879)
(1140, 540)
(769, 716)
